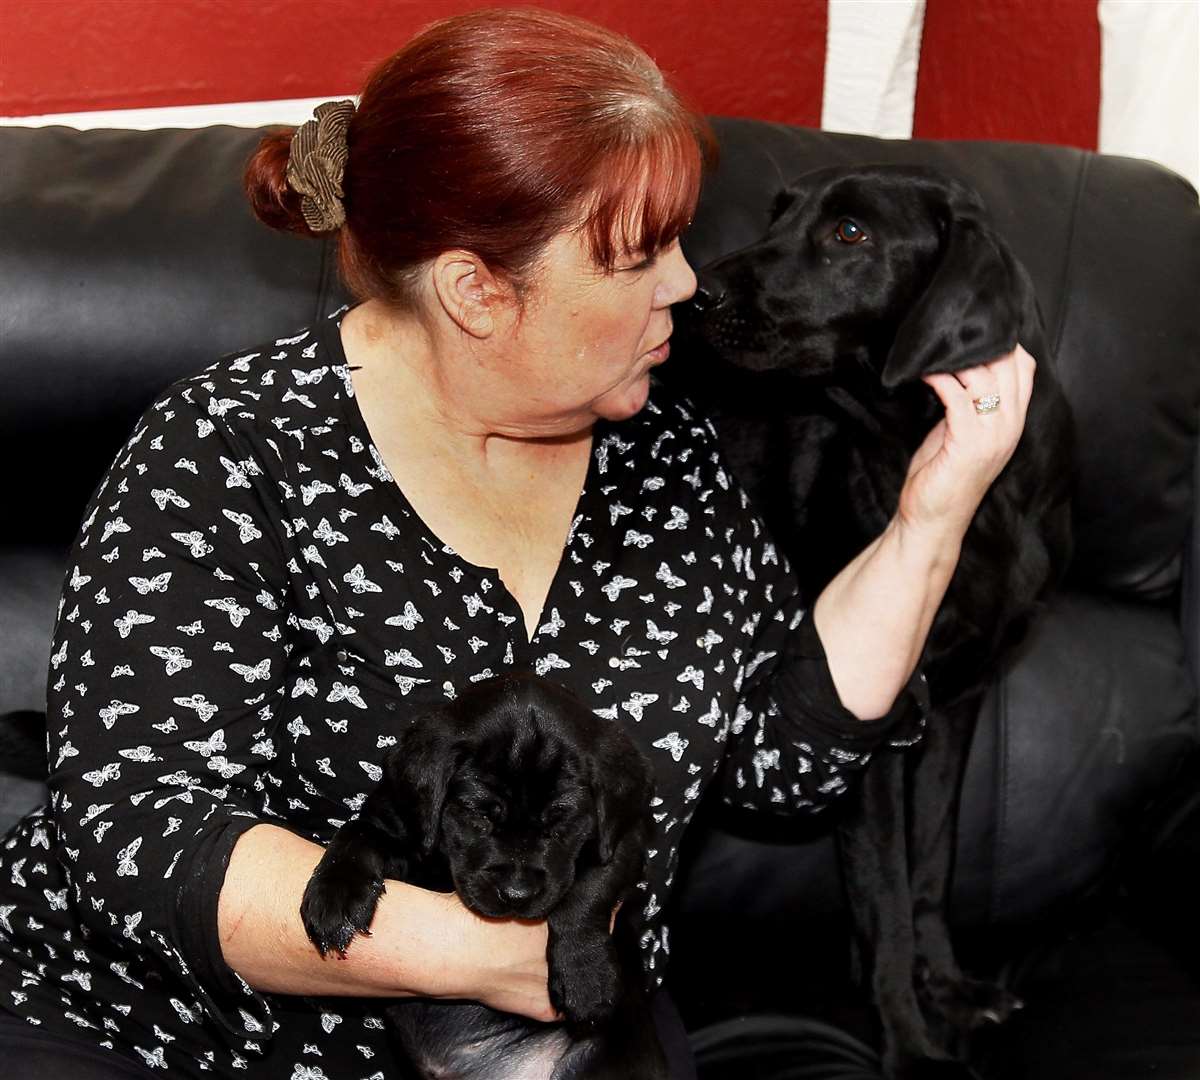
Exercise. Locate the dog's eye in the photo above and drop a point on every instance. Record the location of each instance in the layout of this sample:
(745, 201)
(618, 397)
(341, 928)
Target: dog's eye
(848, 232)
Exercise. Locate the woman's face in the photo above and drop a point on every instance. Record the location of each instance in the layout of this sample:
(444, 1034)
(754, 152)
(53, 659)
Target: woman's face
(586, 339)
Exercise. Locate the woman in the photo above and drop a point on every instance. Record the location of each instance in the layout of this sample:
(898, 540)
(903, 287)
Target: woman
(468, 471)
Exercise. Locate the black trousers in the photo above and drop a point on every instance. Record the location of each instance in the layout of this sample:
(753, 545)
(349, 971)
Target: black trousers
(44, 1055)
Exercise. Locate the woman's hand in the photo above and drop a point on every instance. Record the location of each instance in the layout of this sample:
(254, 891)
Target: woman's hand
(966, 450)
(500, 963)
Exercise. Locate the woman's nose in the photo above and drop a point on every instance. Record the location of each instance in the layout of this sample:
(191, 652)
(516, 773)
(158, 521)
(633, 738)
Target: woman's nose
(678, 278)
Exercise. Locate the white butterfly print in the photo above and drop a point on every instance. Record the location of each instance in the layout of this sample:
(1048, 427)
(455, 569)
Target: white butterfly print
(100, 777)
(679, 519)
(231, 608)
(220, 406)
(636, 539)
(637, 702)
(711, 638)
(195, 541)
(236, 472)
(309, 492)
(121, 669)
(309, 378)
(158, 583)
(616, 585)
(261, 670)
(206, 709)
(116, 525)
(319, 627)
(358, 581)
(143, 755)
(550, 662)
(407, 619)
(305, 686)
(115, 709)
(188, 465)
(342, 692)
(126, 866)
(204, 428)
(385, 526)
(674, 743)
(663, 637)
(326, 532)
(247, 530)
(669, 579)
(192, 629)
(162, 496)
(290, 395)
(351, 488)
(57, 658)
(693, 675)
(401, 656)
(153, 1059)
(214, 744)
(227, 769)
(78, 580)
(407, 682)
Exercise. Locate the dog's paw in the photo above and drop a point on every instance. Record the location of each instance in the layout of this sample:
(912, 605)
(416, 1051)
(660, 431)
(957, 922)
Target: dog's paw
(585, 984)
(964, 1003)
(336, 906)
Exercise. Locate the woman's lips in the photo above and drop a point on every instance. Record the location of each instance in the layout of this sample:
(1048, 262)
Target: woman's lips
(658, 354)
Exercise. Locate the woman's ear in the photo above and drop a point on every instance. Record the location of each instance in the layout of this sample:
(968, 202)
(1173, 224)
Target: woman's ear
(469, 293)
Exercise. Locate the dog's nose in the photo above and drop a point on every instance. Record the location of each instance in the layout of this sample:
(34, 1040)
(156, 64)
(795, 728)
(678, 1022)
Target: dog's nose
(517, 887)
(707, 296)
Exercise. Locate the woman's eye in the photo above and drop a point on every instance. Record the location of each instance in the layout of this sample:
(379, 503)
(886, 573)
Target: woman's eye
(848, 232)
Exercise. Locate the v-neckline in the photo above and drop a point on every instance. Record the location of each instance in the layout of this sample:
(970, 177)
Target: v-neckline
(332, 339)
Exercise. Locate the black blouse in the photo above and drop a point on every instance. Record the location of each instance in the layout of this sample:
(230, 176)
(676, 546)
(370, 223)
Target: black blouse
(253, 608)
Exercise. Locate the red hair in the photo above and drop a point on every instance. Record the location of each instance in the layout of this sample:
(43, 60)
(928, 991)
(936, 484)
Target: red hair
(491, 132)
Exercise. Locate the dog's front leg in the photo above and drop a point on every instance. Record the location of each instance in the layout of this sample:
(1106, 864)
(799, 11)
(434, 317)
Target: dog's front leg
(585, 972)
(343, 892)
(959, 1002)
(873, 846)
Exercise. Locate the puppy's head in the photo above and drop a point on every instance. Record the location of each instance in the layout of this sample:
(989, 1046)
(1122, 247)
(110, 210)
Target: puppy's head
(889, 270)
(519, 786)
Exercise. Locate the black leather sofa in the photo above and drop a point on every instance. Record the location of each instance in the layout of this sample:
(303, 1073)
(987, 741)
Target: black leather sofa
(129, 258)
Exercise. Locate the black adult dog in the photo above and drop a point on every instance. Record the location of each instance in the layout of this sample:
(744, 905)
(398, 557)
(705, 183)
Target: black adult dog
(529, 806)
(866, 279)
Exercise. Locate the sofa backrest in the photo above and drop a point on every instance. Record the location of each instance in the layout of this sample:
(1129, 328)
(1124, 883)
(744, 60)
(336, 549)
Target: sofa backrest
(129, 258)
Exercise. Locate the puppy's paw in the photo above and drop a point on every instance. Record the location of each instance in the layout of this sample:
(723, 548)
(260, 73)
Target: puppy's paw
(337, 905)
(585, 984)
(965, 1003)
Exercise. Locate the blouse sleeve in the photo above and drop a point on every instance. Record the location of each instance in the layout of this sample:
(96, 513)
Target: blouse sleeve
(167, 663)
(794, 747)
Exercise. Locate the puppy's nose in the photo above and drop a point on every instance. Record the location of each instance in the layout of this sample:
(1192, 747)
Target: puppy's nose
(708, 295)
(519, 886)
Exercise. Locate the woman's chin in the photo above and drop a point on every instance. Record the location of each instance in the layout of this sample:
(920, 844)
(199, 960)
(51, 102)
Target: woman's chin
(625, 401)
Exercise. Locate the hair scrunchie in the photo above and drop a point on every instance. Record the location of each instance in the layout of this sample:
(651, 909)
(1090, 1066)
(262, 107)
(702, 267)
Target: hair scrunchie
(317, 162)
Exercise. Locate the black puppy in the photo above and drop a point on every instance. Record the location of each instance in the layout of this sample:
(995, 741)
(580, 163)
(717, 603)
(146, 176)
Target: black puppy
(866, 279)
(526, 804)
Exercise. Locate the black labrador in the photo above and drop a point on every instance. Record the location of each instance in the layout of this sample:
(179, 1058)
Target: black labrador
(816, 336)
(529, 806)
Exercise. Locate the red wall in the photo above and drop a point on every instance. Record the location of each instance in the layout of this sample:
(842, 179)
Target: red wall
(1010, 69)
(749, 59)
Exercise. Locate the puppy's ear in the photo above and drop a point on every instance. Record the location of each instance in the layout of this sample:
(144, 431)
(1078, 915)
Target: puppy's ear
(419, 770)
(968, 313)
(621, 790)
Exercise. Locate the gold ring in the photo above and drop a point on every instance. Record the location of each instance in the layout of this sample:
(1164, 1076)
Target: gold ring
(986, 404)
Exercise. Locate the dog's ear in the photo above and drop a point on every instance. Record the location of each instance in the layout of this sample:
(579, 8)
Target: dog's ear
(419, 770)
(621, 790)
(968, 313)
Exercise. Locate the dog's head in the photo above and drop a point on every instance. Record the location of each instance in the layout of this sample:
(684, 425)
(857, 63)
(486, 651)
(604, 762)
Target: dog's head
(885, 268)
(517, 784)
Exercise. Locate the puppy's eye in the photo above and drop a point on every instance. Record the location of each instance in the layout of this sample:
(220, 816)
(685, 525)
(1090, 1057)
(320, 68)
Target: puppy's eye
(849, 232)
